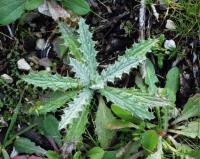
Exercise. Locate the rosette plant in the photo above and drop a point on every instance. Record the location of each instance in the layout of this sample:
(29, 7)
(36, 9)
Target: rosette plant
(88, 81)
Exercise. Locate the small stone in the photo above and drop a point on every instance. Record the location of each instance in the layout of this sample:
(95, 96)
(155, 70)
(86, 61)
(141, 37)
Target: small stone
(7, 78)
(40, 44)
(23, 65)
(170, 44)
(170, 25)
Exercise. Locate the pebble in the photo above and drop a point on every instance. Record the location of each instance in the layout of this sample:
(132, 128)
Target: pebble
(170, 25)
(40, 44)
(23, 65)
(7, 78)
(170, 44)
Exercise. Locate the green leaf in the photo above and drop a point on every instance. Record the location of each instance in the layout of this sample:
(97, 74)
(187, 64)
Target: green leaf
(70, 40)
(81, 71)
(191, 109)
(172, 83)
(131, 59)
(192, 129)
(80, 7)
(88, 48)
(150, 78)
(134, 101)
(103, 117)
(149, 140)
(52, 155)
(11, 10)
(24, 145)
(50, 127)
(109, 155)
(75, 107)
(77, 128)
(159, 153)
(54, 101)
(45, 80)
(5, 154)
(124, 114)
(77, 155)
(120, 124)
(96, 153)
(33, 4)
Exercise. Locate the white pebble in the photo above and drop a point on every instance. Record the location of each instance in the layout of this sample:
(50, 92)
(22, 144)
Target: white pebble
(23, 65)
(7, 78)
(40, 44)
(170, 44)
(170, 25)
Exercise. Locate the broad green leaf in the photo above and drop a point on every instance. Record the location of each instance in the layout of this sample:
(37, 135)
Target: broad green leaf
(191, 109)
(140, 83)
(127, 150)
(70, 40)
(192, 129)
(11, 10)
(45, 80)
(5, 154)
(80, 7)
(32, 4)
(24, 145)
(54, 101)
(77, 128)
(52, 155)
(150, 78)
(75, 107)
(120, 124)
(109, 155)
(159, 153)
(96, 153)
(131, 59)
(134, 101)
(149, 140)
(103, 117)
(124, 114)
(81, 71)
(50, 127)
(172, 83)
(77, 155)
(87, 48)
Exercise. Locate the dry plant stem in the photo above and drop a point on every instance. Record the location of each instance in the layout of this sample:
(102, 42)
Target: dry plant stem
(10, 31)
(142, 20)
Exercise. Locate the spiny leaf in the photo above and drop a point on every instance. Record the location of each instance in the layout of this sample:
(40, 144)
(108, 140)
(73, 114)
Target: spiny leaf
(70, 40)
(191, 109)
(103, 117)
(150, 78)
(87, 47)
(81, 71)
(24, 145)
(75, 107)
(134, 101)
(77, 128)
(54, 101)
(45, 80)
(192, 129)
(131, 59)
